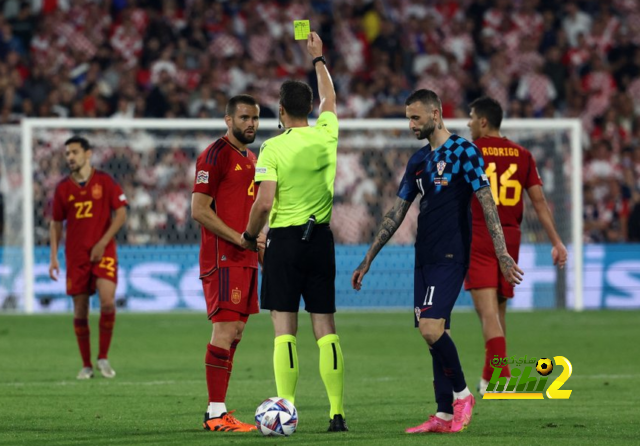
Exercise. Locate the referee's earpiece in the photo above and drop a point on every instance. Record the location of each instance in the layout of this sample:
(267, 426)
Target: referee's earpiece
(279, 119)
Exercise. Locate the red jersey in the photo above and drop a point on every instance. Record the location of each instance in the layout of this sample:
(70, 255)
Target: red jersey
(87, 209)
(511, 170)
(226, 174)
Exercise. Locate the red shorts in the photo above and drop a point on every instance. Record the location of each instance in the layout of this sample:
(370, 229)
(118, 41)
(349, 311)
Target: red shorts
(234, 289)
(82, 274)
(224, 315)
(484, 270)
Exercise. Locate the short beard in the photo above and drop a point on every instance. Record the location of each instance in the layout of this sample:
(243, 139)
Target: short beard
(427, 130)
(240, 136)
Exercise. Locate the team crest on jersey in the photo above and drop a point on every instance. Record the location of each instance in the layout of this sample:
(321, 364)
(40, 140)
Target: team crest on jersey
(96, 191)
(202, 177)
(236, 296)
(440, 166)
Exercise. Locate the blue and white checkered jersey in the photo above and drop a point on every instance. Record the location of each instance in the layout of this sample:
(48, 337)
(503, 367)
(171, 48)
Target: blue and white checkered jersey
(446, 177)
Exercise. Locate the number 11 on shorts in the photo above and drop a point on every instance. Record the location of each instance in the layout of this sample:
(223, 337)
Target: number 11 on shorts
(428, 298)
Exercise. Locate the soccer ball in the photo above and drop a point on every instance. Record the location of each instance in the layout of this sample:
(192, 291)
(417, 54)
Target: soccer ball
(276, 417)
(544, 366)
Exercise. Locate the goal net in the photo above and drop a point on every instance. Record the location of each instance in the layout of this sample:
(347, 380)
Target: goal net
(154, 161)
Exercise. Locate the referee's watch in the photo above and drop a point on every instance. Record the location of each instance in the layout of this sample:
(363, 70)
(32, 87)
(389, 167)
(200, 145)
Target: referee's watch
(319, 59)
(248, 237)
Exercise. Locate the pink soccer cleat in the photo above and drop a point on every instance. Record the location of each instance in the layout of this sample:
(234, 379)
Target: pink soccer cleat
(433, 424)
(462, 410)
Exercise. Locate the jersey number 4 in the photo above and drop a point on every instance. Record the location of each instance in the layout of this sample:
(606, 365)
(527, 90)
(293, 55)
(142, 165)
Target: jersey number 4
(252, 188)
(500, 191)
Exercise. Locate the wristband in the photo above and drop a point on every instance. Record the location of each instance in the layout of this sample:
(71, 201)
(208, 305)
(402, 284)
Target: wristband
(249, 238)
(319, 59)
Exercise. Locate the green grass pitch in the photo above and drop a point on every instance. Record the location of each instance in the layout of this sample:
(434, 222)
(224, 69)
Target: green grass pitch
(159, 395)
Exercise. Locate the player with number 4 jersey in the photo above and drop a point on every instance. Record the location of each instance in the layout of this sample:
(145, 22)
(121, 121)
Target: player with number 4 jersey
(511, 170)
(223, 193)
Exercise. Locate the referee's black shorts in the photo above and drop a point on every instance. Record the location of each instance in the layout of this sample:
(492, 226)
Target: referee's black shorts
(294, 268)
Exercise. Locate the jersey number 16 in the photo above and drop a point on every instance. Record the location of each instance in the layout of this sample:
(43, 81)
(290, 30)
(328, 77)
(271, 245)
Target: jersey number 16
(500, 191)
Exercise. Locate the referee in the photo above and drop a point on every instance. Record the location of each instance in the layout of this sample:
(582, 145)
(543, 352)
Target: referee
(296, 171)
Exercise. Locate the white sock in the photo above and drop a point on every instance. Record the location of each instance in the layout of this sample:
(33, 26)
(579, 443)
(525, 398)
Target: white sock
(216, 410)
(463, 394)
(444, 416)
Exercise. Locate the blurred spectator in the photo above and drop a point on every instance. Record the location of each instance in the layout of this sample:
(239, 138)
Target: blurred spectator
(177, 58)
(575, 22)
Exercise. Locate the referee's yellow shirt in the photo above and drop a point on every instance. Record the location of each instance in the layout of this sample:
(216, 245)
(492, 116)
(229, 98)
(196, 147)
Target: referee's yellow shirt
(302, 161)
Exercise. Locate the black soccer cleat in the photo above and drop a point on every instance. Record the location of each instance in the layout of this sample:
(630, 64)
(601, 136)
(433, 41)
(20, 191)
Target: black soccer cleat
(338, 424)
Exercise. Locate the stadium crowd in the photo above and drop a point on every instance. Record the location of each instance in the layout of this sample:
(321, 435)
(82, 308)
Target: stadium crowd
(185, 58)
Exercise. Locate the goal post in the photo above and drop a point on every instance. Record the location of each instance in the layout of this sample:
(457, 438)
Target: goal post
(367, 173)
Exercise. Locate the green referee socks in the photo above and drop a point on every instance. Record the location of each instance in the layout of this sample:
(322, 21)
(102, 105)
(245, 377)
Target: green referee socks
(332, 372)
(285, 366)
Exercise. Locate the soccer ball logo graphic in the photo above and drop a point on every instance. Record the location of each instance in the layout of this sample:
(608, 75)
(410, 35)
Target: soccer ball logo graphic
(544, 366)
(276, 417)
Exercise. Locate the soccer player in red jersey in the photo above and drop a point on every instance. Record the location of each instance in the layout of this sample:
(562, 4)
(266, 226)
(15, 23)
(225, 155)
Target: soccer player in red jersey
(510, 169)
(86, 199)
(223, 193)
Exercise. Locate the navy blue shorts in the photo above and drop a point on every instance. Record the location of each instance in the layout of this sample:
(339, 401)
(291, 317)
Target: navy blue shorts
(436, 289)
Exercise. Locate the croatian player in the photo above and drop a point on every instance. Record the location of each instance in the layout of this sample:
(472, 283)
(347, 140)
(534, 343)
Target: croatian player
(510, 169)
(446, 172)
(223, 193)
(86, 199)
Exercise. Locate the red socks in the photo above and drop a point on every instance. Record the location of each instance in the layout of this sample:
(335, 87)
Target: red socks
(495, 347)
(107, 321)
(81, 327)
(232, 352)
(83, 334)
(217, 370)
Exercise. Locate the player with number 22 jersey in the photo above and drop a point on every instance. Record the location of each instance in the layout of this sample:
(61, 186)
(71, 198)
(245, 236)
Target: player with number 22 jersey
(87, 209)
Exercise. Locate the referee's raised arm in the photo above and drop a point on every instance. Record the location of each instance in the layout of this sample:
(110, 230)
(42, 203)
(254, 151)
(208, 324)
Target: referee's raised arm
(325, 85)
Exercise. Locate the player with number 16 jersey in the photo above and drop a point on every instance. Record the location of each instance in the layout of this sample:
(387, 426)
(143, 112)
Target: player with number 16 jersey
(511, 170)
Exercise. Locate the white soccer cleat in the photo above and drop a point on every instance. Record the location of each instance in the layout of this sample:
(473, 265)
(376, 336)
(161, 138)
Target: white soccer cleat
(105, 368)
(85, 373)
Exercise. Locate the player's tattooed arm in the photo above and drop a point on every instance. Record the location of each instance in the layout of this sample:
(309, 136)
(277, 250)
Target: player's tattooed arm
(390, 224)
(508, 266)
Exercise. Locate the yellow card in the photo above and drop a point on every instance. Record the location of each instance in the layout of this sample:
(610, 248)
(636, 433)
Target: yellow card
(301, 29)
